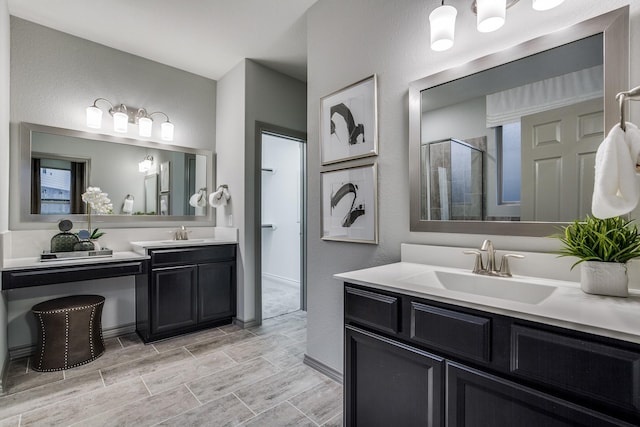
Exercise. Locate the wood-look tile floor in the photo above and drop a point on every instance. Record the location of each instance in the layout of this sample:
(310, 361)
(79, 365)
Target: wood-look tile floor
(223, 376)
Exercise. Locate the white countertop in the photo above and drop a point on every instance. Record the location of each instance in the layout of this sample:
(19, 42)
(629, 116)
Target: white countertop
(143, 246)
(566, 307)
(34, 262)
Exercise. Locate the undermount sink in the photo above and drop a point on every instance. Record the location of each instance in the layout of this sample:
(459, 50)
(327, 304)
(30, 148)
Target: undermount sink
(511, 289)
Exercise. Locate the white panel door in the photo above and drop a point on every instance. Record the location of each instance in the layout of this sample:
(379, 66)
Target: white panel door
(558, 158)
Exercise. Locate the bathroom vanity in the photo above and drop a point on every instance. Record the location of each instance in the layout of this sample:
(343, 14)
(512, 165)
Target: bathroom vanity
(191, 285)
(424, 346)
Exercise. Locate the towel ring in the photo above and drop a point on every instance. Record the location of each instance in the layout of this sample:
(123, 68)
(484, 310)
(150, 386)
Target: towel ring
(632, 95)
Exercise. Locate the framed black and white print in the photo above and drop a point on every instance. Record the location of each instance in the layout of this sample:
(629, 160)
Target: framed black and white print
(349, 205)
(348, 122)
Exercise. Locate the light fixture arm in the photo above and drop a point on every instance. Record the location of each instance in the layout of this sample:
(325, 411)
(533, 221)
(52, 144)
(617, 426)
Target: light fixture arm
(105, 100)
(160, 112)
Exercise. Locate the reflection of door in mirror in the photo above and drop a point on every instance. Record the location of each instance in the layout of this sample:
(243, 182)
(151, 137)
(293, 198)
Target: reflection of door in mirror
(151, 194)
(57, 184)
(558, 161)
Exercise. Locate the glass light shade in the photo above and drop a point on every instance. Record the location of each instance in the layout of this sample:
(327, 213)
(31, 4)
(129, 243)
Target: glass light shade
(144, 126)
(443, 25)
(491, 14)
(166, 131)
(145, 165)
(120, 122)
(94, 117)
(546, 4)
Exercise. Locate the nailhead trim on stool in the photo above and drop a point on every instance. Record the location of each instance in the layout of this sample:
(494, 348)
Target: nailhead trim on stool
(69, 332)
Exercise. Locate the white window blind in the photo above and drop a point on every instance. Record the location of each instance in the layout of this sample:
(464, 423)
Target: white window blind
(510, 105)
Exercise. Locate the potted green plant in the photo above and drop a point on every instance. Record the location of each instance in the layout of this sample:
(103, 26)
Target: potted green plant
(603, 248)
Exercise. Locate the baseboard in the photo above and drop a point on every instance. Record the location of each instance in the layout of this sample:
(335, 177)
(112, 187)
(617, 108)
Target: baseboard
(282, 279)
(29, 349)
(323, 369)
(4, 369)
(247, 324)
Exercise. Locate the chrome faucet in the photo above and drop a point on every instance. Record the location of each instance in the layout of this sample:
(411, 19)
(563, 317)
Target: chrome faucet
(181, 233)
(490, 268)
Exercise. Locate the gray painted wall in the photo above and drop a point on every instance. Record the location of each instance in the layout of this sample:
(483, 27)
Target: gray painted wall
(269, 97)
(348, 41)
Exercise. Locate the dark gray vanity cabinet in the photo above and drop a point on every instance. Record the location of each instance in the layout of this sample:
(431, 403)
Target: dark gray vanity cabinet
(188, 288)
(415, 362)
(389, 383)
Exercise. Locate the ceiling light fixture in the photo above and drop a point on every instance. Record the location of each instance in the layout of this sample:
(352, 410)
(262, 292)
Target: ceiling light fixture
(123, 115)
(491, 15)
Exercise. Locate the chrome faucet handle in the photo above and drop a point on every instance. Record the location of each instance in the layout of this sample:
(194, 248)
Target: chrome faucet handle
(477, 265)
(487, 246)
(504, 264)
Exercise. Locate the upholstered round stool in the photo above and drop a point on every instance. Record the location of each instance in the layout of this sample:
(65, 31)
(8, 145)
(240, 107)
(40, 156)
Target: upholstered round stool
(69, 332)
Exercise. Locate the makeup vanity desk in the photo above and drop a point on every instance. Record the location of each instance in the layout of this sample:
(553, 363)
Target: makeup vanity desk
(26, 272)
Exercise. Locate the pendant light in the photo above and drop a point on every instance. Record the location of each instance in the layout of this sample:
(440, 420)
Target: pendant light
(443, 25)
(546, 4)
(491, 14)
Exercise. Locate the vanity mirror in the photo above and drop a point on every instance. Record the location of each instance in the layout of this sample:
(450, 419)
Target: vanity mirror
(536, 113)
(57, 165)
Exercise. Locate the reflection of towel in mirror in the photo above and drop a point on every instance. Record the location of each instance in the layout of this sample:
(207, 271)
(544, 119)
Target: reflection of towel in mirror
(127, 206)
(616, 189)
(219, 197)
(198, 200)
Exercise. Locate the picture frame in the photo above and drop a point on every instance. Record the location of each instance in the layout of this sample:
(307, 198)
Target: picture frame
(164, 204)
(349, 204)
(165, 176)
(349, 122)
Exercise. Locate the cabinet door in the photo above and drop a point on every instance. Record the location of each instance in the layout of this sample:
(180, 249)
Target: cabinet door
(388, 383)
(216, 291)
(475, 398)
(174, 294)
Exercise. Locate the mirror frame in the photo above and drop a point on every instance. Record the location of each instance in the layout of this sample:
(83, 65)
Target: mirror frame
(613, 25)
(110, 221)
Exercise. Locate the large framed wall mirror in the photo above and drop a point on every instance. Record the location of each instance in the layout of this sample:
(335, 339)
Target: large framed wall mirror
(506, 144)
(57, 165)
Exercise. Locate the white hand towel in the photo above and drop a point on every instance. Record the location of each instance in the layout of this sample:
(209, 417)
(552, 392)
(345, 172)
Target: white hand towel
(616, 190)
(199, 199)
(217, 198)
(127, 207)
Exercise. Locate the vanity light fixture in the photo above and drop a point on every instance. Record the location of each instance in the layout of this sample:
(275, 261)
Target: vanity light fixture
(146, 164)
(491, 15)
(123, 115)
(546, 4)
(443, 26)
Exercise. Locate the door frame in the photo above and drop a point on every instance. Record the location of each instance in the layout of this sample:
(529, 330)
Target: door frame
(262, 127)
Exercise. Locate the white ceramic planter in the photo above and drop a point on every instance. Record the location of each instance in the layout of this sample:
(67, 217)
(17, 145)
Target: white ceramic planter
(604, 278)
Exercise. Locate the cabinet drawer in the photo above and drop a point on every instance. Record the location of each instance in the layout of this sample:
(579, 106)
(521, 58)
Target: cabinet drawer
(582, 366)
(372, 309)
(194, 255)
(451, 331)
